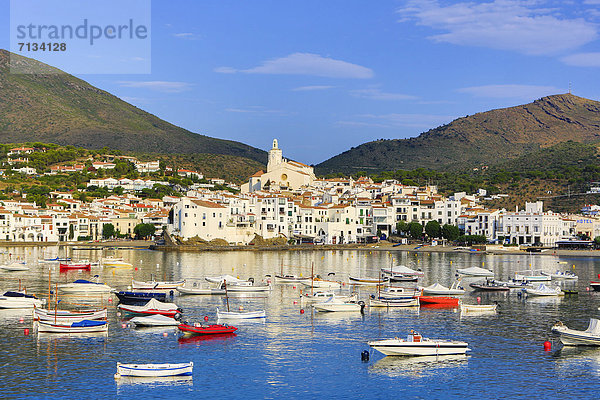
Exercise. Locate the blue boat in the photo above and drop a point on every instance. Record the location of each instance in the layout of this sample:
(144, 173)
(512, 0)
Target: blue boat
(139, 298)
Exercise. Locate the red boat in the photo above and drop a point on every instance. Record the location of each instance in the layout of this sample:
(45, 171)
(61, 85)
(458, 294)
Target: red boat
(595, 285)
(439, 301)
(86, 267)
(199, 329)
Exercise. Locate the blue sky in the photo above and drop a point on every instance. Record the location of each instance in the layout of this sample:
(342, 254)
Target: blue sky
(323, 76)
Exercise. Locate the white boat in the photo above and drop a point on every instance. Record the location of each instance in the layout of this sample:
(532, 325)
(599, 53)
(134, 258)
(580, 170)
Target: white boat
(561, 275)
(199, 289)
(84, 326)
(324, 296)
(333, 305)
(13, 299)
(154, 320)
(15, 267)
(84, 286)
(241, 314)
(322, 283)
(543, 290)
(440, 290)
(248, 288)
(368, 281)
(152, 307)
(532, 275)
(403, 302)
(417, 345)
(116, 263)
(475, 271)
(290, 279)
(156, 285)
(401, 270)
(465, 308)
(227, 278)
(154, 370)
(572, 337)
(398, 293)
(67, 316)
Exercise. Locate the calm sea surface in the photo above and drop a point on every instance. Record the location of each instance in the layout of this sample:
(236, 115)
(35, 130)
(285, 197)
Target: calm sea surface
(308, 355)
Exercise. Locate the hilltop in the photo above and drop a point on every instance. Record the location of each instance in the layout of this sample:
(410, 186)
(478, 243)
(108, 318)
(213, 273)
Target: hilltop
(60, 108)
(482, 139)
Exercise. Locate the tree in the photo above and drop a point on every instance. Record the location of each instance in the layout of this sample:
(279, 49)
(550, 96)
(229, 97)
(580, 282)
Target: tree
(433, 229)
(450, 232)
(144, 230)
(402, 227)
(108, 230)
(71, 232)
(416, 230)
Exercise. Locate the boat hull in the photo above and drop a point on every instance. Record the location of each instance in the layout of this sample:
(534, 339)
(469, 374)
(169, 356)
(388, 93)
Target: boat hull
(139, 285)
(44, 326)
(206, 330)
(425, 348)
(200, 291)
(154, 370)
(67, 317)
(439, 300)
(337, 307)
(241, 315)
(412, 302)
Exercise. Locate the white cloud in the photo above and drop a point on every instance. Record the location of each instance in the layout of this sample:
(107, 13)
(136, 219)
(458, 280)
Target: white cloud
(501, 24)
(377, 94)
(312, 88)
(306, 64)
(511, 91)
(582, 60)
(159, 86)
(395, 120)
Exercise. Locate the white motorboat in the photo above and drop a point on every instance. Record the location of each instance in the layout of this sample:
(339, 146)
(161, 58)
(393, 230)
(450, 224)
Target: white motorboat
(67, 316)
(333, 305)
(572, 337)
(402, 302)
(241, 314)
(543, 290)
(401, 270)
(466, 308)
(13, 299)
(398, 293)
(475, 271)
(245, 288)
(84, 326)
(15, 267)
(155, 285)
(440, 290)
(199, 289)
(154, 320)
(561, 275)
(84, 286)
(532, 275)
(152, 307)
(324, 296)
(322, 283)
(290, 279)
(227, 278)
(417, 345)
(154, 370)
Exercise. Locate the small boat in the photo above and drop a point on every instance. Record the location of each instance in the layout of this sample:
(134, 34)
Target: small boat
(324, 296)
(199, 329)
(139, 298)
(289, 279)
(196, 288)
(248, 286)
(561, 275)
(368, 281)
(84, 326)
(228, 278)
(475, 271)
(116, 263)
(399, 293)
(85, 286)
(543, 290)
(491, 285)
(401, 270)
(439, 300)
(55, 259)
(383, 302)
(532, 275)
(439, 290)
(477, 307)
(595, 285)
(333, 305)
(152, 307)
(154, 320)
(572, 337)
(67, 316)
(15, 267)
(241, 314)
(154, 370)
(322, 283)
(155, 285)
(14, 299)
(417, 345)
(68, 266)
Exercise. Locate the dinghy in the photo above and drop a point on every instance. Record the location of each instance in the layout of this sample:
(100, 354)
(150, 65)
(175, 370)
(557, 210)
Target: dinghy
(560, 275)
(475, 271)
(417, 345)
(324, 296)
(84, 326)
(218, 279)
(152, 307)
(466, 308)
(80, 266)
(154, 320)
(289, 279)
(491, 285)
(13, 299)
(241, 314)
(532, 275)
(402, 302)
(438, 301)
(333, 305)
(15, 267)
(543, 290)
(155, 285)
(154, 370)
(199, 329)
(139, 298)
(440, 290)
(572, 337)
(85, 286)
(199, 289)
(67, 316)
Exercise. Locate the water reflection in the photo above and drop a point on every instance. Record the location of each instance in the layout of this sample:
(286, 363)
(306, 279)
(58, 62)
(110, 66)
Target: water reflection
(150, 381)
(417, 367)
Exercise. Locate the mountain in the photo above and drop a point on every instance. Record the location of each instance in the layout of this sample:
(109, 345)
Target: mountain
(485, 138)
(60, 108)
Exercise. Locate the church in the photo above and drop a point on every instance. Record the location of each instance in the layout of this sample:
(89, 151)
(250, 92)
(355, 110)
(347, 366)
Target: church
(281, 174)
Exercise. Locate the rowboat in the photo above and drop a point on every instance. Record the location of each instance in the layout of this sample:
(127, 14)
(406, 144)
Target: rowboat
(333, 305)
(248, 287)
(403, 302)
(475, 271)
(139, 298)
(199, 329)
(241, 314)
(572, 337)
(438, 300)
(322, 283)
(368, 281)
(417, 345)
(196, 288)
(401, 270)
(399, 293)
(15, 267)
(154, 320)
(477, 307)
(532, 275)
(323, 296)
(561, 275)
(218, 279)
(116, 264)
(86, 267)
(490, 285)
(67, 316)
(13, 299)
(152, 307)
(289, 279)
(543, 290)
(85, 286)
(84, 326)
(55, 259)
(440, 290)
(154, 370)
(155, 285)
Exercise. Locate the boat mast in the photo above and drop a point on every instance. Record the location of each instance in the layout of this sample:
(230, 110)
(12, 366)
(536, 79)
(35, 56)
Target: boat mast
(55, 302)
(49, 287)
(226, 294)
(312, 278)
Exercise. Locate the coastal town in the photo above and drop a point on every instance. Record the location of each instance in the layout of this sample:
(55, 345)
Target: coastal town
(286, 202)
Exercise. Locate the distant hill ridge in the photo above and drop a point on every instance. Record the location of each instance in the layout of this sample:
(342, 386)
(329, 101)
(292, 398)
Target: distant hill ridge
(485, 138)
(60, 108)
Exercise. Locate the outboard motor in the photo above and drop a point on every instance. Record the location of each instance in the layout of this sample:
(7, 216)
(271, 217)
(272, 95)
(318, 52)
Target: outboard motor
(362, 306)
(177, 316)
(364, 356)
(251, 280)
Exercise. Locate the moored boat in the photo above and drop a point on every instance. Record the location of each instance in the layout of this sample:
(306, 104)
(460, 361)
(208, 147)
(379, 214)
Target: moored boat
(402, 302)
(156, 285)
(324, 296)
(80, 266)
(543, 290)
(401, 270)
(14, 299)
(392, 292)
(152, 307)
(368, 281)
(532, 275)
(572, 337)
(561, 275)
(322, 283)
(333, 305)
(490, 285)
(241, 314)
(139, 298)
(475, 271)
(199, 329)
(280, 278)
(595, 285)
(84, 286)
(154, 320)
(198, 289)
(228, 278)
(154, 370)
(465, 308)
(15, 267)
(84, 326)
(439, 300)
(68, 316)
(440, 290)
(417, 345)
